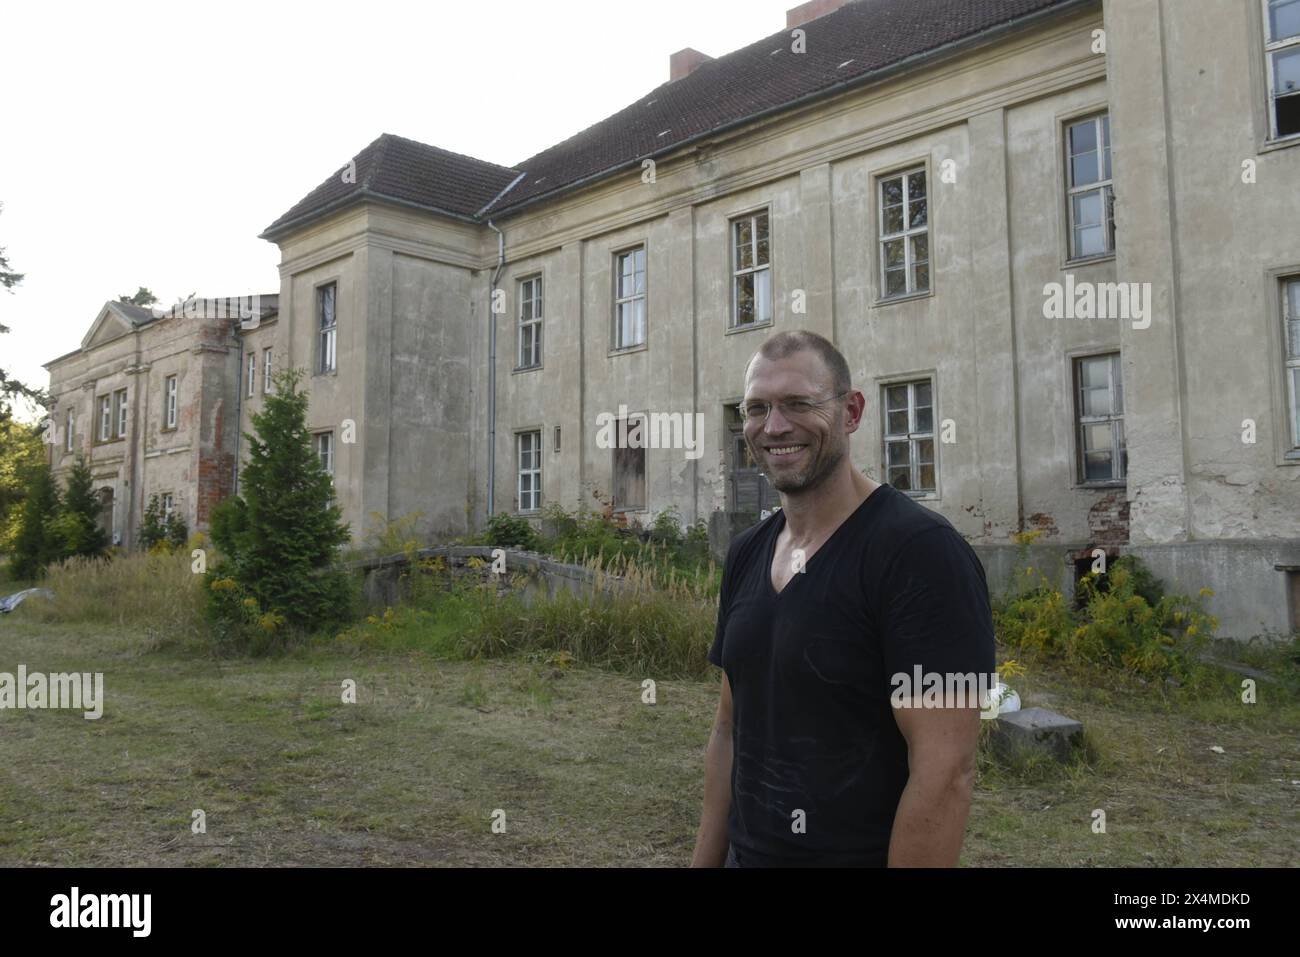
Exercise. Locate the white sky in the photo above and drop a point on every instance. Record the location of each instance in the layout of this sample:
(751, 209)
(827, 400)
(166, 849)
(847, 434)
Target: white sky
(147, 144)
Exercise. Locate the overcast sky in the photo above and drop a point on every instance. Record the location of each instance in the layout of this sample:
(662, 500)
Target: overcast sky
(149, 144)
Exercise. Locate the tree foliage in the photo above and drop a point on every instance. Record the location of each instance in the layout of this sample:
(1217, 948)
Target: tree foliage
(280, 537)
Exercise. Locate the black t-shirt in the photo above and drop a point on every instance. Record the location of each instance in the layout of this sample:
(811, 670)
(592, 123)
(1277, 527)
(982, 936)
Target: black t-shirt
(895, 586)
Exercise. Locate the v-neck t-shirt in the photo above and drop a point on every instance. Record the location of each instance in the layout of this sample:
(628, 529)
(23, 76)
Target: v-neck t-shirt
(818, 761)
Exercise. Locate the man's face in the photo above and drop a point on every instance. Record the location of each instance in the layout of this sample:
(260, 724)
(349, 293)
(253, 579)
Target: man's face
(799, 451)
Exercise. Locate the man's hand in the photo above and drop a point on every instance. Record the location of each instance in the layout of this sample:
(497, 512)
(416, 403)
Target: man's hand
(930, 823)
(711, 842)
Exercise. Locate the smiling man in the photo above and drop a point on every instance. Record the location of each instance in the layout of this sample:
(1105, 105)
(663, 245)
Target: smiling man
(848, 584)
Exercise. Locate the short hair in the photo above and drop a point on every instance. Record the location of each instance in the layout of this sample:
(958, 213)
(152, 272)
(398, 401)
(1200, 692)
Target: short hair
(787, 343)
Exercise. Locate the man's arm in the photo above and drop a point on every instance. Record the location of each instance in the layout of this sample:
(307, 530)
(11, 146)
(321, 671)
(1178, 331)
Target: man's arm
(930, 823)
(711, 840)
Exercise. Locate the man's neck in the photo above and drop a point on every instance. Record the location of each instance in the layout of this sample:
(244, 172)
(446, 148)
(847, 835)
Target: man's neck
(818, 511)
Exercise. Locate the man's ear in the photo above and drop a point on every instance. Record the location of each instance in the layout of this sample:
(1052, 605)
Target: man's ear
(855, 407)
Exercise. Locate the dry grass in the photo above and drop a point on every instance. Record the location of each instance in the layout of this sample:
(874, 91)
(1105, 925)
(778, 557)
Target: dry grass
(158, 594)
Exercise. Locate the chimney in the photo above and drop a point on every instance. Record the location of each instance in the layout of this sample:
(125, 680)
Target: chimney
(684, 62)
(811, 11)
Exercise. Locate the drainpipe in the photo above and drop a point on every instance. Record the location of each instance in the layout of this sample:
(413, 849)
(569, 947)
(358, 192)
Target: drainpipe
(492, 372)
(240, 385)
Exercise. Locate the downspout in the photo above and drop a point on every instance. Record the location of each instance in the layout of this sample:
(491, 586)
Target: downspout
(492, 371)
(240, 385)
(492, 347)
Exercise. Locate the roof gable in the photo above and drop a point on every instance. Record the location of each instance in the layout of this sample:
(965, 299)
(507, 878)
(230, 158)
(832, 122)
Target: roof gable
(115, 319)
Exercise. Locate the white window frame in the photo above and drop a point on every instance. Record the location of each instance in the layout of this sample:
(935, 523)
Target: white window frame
(325, 452)
(67, 437)
(1104, 185)
(1115, 419)
(1272, 48)
(625, 299)
(760, 271)
(531, 294)
(168, 501)
(327, 333)
(913, 437)
(1291, 355)
(266, 372)
(120, 406)
(105, 417)
(907, 235)
(171, 393)
(530, 467)
(251, 386)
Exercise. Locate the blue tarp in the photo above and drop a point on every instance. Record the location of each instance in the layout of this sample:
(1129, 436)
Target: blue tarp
(13, 601)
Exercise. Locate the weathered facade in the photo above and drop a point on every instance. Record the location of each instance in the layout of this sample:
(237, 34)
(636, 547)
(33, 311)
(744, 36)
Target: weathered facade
(150, 400)
(1056, 240)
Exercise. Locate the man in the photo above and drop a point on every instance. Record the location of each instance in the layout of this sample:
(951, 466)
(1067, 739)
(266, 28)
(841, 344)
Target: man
(824, 605)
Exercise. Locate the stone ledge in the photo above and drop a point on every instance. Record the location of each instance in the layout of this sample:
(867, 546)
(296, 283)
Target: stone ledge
(1037, 731)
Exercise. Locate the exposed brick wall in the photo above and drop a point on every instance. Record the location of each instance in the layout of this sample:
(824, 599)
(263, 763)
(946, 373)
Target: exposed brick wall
(1108, 519)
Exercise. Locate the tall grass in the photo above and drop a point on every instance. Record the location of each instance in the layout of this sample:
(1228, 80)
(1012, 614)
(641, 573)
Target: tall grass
(155, 593)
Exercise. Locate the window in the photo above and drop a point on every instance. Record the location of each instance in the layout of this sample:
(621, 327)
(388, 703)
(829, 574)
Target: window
(1099, 395)
(1090, 196)
(904, 234)
(325, 451)
(1291, 319)
(555, 446)
(266, 372)
(629, 466)
(530, 322)
(168, 504)
(119, 400)
(909, 436)
(1282, 51)
(529, 450)
(105, 418)
(749, 488)
(751, 266)
(67, 435)
(251, 385)
(629, 298)
(169, 402)
(327, 320)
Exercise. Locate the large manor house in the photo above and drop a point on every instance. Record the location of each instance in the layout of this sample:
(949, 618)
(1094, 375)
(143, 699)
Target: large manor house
(1057, 240)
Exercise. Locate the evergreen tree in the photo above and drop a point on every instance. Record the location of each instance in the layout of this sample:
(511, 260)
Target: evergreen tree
(282, 535)
(37, 545)
(77, 524)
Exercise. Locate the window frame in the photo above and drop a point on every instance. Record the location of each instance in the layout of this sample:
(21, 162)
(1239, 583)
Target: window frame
(643, 297)
(106, 417)
(327, 336)
(326, 455)
(1118, 439)
(913, 436)
(737, 273)
(250, 387)
(266, 371)
(534, 322)
(168, 502)
(1290, 363)
(1103, 185)
(120, 411)
(1272, 47)
(171, 401)
(905, 172)
(69, 431)
(536, 491)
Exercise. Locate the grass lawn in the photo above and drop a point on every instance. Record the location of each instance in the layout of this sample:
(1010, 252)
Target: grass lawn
(585, 772)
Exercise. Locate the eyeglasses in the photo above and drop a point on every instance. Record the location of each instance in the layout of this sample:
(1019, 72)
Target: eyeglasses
(790, 408)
